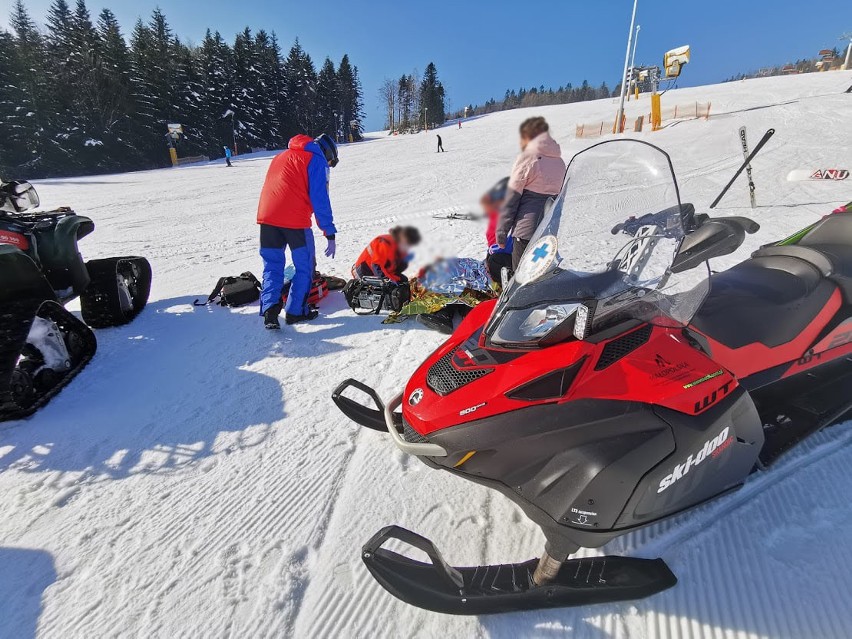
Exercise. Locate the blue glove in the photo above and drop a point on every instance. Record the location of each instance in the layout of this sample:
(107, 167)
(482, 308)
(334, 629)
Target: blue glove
(409, 257)
(331, 249)
(494, 248)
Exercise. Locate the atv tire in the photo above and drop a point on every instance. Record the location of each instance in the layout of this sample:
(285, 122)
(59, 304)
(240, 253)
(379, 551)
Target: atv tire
(118, 291)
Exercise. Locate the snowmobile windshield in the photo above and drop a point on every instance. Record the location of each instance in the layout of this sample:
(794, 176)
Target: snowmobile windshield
(603, 252)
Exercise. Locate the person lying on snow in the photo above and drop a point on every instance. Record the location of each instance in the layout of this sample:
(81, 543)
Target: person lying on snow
(388, 255)
(444, 289)
(452, 287)
(296, 187)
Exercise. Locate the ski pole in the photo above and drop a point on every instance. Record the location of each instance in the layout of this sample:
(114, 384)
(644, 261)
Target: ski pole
(742, 168)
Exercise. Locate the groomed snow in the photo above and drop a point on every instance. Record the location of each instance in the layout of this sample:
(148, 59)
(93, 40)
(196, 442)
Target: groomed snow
(196, 480)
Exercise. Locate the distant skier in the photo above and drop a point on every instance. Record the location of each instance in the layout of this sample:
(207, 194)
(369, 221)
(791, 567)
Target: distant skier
(536, 177)
(440, 145)
(228, 156)
(296, 187)
(459, 122)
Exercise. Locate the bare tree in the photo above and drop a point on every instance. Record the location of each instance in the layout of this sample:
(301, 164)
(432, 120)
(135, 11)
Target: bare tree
(388, 94)
(414, 93)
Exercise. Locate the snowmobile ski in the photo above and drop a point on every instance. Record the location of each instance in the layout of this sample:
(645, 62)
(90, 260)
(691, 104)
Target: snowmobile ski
(751, 193)
(818, 175)
(483, 590)
(372, 418)
(748, 160)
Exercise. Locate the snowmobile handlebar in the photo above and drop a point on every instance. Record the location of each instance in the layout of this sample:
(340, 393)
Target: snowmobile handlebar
(684, 213)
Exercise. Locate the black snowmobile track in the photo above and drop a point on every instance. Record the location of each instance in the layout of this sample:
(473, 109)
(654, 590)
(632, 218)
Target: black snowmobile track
(100, 302)
(16, 318)
(505, 588)
(804, 405)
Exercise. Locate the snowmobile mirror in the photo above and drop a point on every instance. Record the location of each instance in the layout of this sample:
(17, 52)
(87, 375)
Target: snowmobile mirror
(714, 238)
(17, 196)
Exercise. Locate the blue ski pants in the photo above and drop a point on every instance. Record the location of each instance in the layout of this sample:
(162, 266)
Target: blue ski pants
(273, 242)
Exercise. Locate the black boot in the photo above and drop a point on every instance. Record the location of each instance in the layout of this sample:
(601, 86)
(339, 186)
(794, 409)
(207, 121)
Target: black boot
(270, 318)
(441, 321)
(295, 319)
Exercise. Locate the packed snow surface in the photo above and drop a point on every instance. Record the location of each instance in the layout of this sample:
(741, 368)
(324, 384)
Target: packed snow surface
(196, 480)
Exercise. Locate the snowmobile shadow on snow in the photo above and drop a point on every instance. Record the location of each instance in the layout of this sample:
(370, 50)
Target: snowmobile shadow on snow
(27, 573)
(162, 393)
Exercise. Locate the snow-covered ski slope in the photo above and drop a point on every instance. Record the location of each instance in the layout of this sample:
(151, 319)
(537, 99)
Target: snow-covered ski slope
(195, 480)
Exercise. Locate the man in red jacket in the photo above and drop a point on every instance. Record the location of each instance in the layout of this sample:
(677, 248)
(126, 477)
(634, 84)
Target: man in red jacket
(387, 255)
(296, 188)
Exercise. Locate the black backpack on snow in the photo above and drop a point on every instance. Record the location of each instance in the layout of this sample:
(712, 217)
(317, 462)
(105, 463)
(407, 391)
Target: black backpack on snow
(372, 295)
(234, 291)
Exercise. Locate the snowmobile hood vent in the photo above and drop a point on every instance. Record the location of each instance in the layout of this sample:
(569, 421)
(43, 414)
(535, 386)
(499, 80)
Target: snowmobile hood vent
(622, 346)
(551, 386)
(444, 378)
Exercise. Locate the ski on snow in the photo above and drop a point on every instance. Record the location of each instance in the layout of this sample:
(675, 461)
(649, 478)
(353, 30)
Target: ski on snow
(455, 215)
(751, 156)
(744, 141)
(818, 175)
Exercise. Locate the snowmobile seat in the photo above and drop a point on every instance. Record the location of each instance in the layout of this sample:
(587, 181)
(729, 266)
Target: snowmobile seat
(59, 255)
(833, 238)
(828, 246)
(766, 299)
(814, 257)
(834, 261)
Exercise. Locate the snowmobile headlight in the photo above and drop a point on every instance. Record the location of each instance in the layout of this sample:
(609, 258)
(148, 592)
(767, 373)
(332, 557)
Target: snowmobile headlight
(582, 322)
(531, 325)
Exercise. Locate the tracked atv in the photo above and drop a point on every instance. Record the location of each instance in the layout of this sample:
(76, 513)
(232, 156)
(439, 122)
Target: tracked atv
(616, 382)
(42, 345)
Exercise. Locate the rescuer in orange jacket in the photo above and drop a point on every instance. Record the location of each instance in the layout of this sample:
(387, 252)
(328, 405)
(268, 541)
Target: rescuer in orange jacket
(295, 190)
(388, 255)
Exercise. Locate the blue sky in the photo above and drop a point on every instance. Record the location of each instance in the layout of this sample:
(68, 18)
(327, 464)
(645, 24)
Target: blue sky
(481, 48)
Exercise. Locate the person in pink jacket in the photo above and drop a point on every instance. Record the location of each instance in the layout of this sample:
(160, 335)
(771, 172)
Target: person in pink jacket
(536, 177)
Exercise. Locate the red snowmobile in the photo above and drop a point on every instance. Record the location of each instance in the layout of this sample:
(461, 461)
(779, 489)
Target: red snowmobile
(615, 382)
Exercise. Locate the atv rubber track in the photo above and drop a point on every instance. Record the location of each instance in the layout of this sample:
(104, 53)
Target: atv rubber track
(100, 302)
(15, 322)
